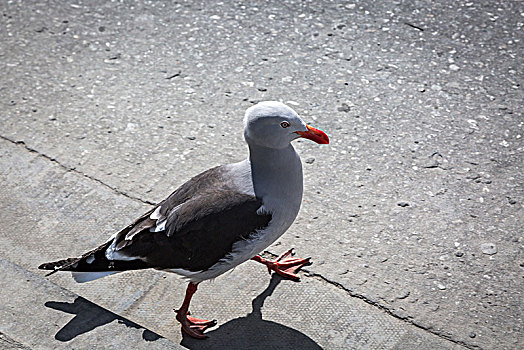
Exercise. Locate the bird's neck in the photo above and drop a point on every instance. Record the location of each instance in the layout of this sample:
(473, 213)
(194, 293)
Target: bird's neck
(276, 172)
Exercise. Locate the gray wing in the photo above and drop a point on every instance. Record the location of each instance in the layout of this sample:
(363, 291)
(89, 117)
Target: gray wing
(199, 232)
(194, 227)
(202, 182)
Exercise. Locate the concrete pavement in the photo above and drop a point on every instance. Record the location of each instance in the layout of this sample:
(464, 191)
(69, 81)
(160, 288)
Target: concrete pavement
(412, 216)
(254, 310)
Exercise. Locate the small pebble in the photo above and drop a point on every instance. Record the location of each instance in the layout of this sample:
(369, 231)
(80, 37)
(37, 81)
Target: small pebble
(441, 286)
(191, 138)
(459, 253)
(441, 191)
(432, 163)
(403, 204)
(472, 176)
(310, 160)
(344, 108)
(512, 201)
(488, 248)
(472, 335)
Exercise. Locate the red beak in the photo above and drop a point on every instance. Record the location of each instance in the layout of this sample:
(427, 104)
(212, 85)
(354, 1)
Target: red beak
(314, 135)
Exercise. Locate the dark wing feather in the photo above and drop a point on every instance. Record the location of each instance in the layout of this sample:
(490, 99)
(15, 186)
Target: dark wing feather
(199, 232)
(203, 182)
(100, 262)
(209, 218)
(93, 261)
(200, 183)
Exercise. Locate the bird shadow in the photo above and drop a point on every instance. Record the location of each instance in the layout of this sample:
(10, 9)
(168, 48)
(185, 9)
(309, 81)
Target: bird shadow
(252, 332)
(89, 316)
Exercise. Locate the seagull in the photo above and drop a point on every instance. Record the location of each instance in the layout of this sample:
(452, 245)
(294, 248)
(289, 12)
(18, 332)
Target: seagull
(218, 219)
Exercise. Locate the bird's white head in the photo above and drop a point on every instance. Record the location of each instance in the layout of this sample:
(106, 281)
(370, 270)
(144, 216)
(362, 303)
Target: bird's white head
(274, 125)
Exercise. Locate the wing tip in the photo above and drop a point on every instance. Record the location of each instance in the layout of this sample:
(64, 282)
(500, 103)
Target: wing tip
(49, 266)
(59, 265)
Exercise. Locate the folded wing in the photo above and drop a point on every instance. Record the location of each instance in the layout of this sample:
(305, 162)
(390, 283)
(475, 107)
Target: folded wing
(192, 229)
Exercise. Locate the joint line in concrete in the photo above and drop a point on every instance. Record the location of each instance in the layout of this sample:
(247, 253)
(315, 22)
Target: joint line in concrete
(390, 312)
(74, 170)
(309, 274)
(382, 307)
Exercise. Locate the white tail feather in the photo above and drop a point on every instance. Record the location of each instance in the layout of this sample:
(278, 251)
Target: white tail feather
(82, 277)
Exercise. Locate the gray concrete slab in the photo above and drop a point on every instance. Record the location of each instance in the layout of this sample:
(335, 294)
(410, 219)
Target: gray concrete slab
(254, 310)
(37, 314)
(422, 101)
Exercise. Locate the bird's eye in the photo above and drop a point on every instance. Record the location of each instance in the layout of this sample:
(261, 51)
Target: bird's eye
(285, 125)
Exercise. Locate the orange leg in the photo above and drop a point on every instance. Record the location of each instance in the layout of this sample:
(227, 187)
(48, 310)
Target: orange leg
(284, 267)
(194, 327)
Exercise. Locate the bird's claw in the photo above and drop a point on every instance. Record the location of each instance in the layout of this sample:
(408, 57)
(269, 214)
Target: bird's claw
(284, 266)
(194, 327)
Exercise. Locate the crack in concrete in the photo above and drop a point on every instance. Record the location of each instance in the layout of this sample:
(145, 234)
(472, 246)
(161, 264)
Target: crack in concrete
(6, 342)
(309, 274)
(74, 170)
(384, 308)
